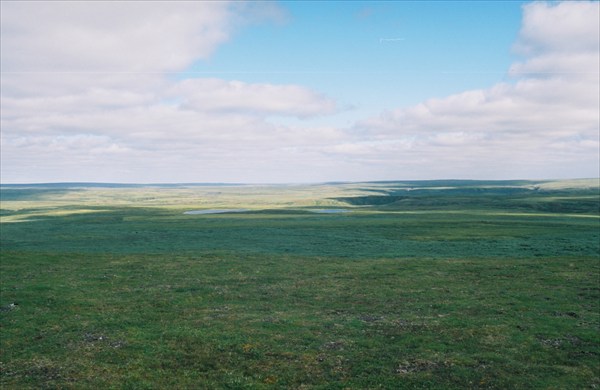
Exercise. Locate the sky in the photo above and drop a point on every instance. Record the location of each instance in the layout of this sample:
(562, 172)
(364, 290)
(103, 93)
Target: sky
(298, 91)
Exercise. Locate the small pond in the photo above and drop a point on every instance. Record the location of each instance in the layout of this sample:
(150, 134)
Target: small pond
(328, 211)
(215, 211)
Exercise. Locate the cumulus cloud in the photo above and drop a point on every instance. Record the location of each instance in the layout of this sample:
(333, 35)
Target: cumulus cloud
(131, 36)
(542, 123)
(562, 27)
(235, 96)
(86, 93)
(559, 39)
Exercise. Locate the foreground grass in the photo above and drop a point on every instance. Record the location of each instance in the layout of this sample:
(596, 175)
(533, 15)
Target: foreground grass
(132, 297)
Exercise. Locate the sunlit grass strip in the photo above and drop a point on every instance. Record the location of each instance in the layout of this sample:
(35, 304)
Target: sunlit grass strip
(30, 216)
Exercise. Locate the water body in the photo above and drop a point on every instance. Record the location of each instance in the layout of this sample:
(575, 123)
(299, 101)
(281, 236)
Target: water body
(328, 211)
(215, 211)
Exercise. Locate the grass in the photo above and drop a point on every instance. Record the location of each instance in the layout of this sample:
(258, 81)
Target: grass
(443, 287)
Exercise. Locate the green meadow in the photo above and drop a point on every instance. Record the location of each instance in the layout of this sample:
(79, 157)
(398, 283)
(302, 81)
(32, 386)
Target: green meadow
(422, 284)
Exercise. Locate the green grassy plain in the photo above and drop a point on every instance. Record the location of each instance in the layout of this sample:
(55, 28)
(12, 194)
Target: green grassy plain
(426, 284)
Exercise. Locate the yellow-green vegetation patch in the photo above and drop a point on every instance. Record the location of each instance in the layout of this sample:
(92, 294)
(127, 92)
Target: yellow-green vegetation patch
(25, 215)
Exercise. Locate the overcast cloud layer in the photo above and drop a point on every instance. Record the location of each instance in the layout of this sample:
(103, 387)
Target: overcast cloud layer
(90, 93)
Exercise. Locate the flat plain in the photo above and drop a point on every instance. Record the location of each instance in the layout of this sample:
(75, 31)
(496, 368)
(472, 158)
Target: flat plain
(421, 284)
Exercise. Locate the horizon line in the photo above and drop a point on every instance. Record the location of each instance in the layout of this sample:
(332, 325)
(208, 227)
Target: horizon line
(200, 183)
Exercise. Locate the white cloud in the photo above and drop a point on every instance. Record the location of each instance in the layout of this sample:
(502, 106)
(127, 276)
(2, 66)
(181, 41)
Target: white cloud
(560, 39)
(120, 36)
(84, 90)
(101, 36)
(80, 143)
(544, 123)
(568, 27)
(236, 96)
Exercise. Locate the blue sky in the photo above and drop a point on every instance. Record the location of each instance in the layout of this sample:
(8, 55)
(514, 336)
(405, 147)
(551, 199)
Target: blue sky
(298, 91)
(372, 55)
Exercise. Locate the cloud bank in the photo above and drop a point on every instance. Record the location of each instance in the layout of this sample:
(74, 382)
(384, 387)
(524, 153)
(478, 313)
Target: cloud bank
(544, 122)
(127, 36)
(88, 94)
